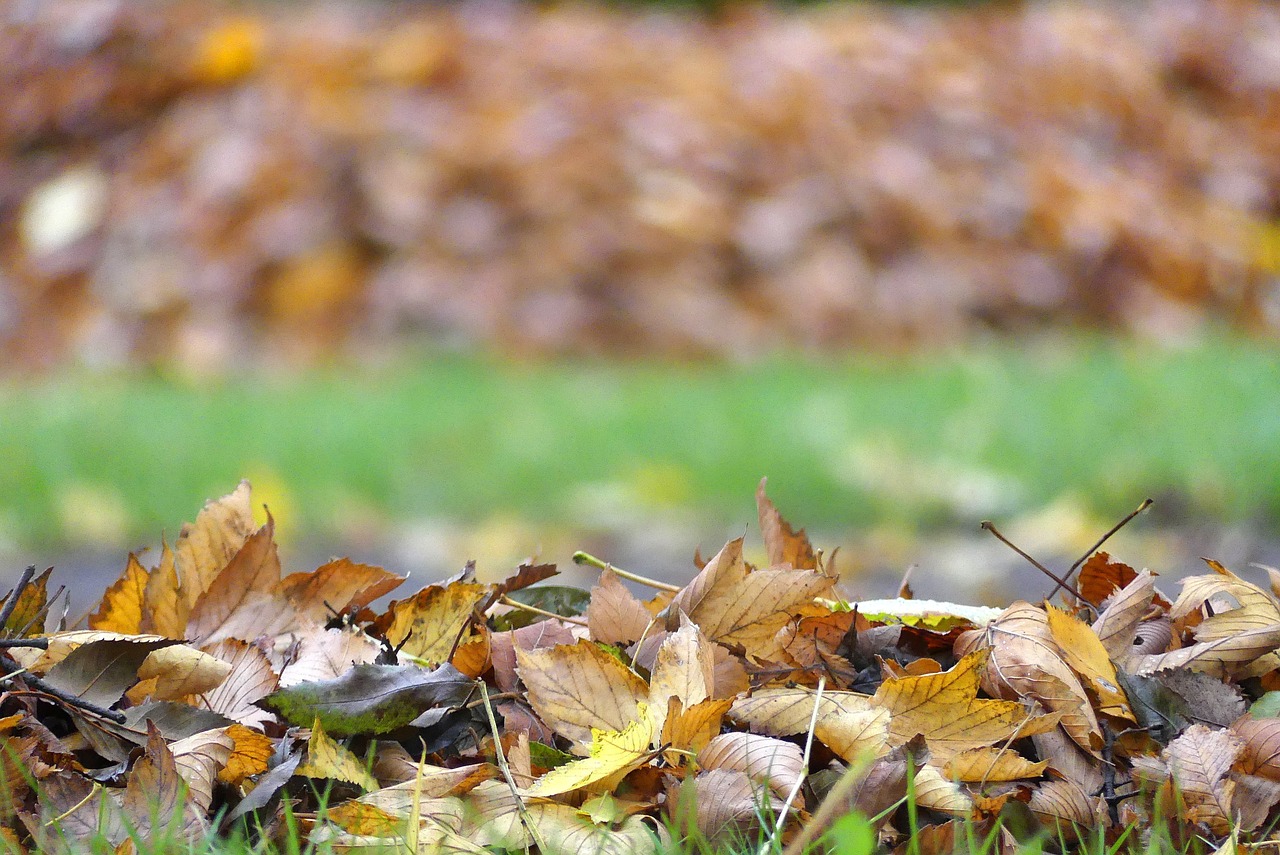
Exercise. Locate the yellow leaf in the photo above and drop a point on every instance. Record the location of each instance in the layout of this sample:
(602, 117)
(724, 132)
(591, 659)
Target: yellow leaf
(434, 620)
(991, 765)
(946, 708)
(854, 735)
(229, 50)
(164, 605)
(249, 755)
(576, 688)
(691, 729)
(786, 712)
(121, 606)
(613, 754)
(1083, 651)
(328, 759)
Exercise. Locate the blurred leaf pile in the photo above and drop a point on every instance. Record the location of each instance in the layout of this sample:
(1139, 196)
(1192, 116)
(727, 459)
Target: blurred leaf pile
(195, 182)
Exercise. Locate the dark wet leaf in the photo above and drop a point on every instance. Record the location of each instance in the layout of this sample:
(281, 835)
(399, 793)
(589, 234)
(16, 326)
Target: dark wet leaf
(371, 698)
(557, 599)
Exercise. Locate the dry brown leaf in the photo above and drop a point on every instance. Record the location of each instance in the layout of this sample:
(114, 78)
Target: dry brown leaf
(121, 606)
(503, 645)
(786, 712)
(733, 605)
(240, 601)
(1100, 578)
(251, 679)
(207, 546)
(785, 545)
(1199, 762)
(335, 587)
(614, 615)
(1027, 664)
(1254, 799)
(1064, 808)
(435, 620)
(393, 765)
(1260, 746)
(683, 670)
(945, 708)
(199, 759)
(724, 803)
(1118, 622)
(990, 765)
(153, 794)
(764, 759)
(577, 687)
(323, 654)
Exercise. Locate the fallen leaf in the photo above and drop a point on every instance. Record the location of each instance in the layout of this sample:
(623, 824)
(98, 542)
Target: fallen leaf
(371, 698)
(763, 759)
(785, 545)
(615, 616)
(250, 680)
(1199, 761)
(1084, 652)
(430, 625)
(684, 670)
(121, 607)
(612, 754)
(180, 670)
(328, 759)
(575, 688)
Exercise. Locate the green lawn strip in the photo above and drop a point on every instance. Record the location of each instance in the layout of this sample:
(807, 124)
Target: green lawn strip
(931, 439)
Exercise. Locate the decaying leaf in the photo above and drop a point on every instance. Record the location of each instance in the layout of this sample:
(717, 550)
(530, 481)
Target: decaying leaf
(577, 687)
(327, 759)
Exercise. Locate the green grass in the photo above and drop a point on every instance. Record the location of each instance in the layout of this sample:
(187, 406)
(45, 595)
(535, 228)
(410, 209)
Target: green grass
(935, 439)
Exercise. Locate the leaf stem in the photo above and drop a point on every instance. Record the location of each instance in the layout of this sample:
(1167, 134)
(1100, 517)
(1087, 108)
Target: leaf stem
(515, 604)
(590, 560)
(990, 526)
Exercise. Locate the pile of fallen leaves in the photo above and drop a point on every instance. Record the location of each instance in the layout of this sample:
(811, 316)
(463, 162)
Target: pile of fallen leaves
(210, 182)
(209, 693)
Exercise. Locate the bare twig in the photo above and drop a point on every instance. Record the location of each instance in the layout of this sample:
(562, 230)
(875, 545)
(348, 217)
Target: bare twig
(521, 810)
(38, 686)
(795, 790)
(589, 560)
(1146, 503)
(989, 526)
(39, 643)
(516, 604)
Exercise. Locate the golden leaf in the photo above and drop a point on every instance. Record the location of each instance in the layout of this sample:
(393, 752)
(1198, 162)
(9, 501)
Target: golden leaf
(735, 606)
(691, 729)
(986, 765)
(784, 544)
(328, 759)
(206, 546)
(121, 606)
(855, 736)
(786, 712)
(434, 620)
(250, 753)
(613, 754)
(946, 709)
(1084, 652)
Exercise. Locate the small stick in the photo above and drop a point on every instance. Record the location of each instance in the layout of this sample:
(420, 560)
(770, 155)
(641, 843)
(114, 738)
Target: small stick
(41, 643)
(581, 557)
(521, 810)
(12, 603)
(38, 686)
(989, 526)
(1146, 503)
(795, 790)
(507, 601)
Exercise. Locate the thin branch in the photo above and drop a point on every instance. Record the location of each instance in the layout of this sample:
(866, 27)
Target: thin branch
(38, 686)
(989, 526)
(40, 643)
(516, 604)
(589, 560)
(795, 790)
(521, 810)
(1146, 503)
(12, 603)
